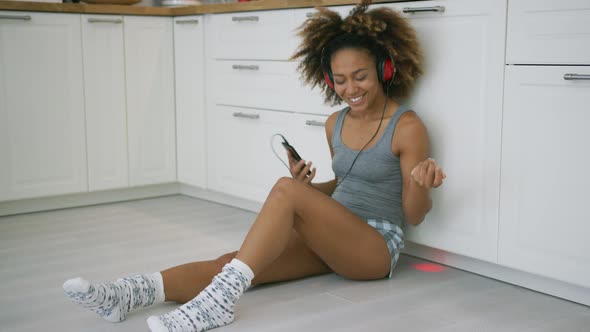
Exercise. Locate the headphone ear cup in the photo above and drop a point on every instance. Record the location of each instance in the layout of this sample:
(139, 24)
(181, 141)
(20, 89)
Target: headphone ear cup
(388, 70)
(328, 78)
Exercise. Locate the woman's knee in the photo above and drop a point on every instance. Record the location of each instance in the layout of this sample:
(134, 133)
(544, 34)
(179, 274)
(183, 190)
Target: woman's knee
(283, 184)
(283, 187)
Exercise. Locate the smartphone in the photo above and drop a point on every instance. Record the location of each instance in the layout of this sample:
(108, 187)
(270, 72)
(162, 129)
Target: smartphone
(294, 154)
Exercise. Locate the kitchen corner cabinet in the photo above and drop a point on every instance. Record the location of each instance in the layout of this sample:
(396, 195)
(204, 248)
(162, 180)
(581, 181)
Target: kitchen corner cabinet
(106, 111)
(149, 71)
(42, 137)
(459, 98)
(190, 100)
(543, 216)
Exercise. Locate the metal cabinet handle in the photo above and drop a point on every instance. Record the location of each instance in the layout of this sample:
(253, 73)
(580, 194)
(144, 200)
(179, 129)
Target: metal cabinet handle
(246, 115)
(16, 17)
(191, 21)
(105, 20)
(247, 67)
(315, 123)
(576, 77)
(245, 18)
(413, 10)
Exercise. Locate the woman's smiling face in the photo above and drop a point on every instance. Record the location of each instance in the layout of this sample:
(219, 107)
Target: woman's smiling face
(355, 79)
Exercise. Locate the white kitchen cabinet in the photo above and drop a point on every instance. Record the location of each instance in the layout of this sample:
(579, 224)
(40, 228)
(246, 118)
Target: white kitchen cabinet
(543, 216)
(459, 98)
(548, 32)
(42, 138)
(106, 111)
(190, 100)
(149, 70)
(240, 159)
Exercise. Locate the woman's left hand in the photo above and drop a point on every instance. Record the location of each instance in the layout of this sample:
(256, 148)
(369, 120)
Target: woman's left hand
(428, 174)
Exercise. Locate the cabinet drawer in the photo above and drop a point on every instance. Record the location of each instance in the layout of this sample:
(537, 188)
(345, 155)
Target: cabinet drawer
(548, 32)
(240, 160)
(267, 35)
(270, 85)
(309, 138)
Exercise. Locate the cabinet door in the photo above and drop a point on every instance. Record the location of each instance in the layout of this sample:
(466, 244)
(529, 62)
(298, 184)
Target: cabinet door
(459, 99)
(42, 139)
(543, 208)
(240, 159)
(548, 32)
(190, 96)
(106, 115)
(309, 139)
(149, 68)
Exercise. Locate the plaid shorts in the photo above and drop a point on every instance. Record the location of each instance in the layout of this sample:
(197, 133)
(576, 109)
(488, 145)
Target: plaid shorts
(394, 238)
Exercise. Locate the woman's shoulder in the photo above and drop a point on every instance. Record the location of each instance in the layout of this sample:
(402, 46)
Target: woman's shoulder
(331, 124)
(332, 118)
(410, 126)
(409, 118)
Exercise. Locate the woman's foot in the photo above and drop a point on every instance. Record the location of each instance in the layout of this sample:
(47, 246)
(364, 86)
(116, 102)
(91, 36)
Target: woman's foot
(213, 307)
(113, 301)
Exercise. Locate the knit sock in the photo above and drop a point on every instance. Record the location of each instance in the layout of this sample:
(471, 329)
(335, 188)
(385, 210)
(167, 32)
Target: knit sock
(112, 301)
(213, 307)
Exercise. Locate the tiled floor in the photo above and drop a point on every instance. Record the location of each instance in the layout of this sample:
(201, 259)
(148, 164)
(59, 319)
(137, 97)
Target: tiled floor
(39, 251)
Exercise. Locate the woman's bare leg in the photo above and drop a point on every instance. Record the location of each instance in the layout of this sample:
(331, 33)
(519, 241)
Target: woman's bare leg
(277, 247)
(341, 239)
(182, 283)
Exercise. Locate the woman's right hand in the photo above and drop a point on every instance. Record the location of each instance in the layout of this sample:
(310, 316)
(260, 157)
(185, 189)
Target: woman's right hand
(300, 169)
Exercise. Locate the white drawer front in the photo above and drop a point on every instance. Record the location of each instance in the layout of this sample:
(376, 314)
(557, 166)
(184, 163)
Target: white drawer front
(240, 159)
(264, 84)
(268, 35)
(548, 32)
(309, 139)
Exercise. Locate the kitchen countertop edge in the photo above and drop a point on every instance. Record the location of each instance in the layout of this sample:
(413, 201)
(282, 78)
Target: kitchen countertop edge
(82, 8)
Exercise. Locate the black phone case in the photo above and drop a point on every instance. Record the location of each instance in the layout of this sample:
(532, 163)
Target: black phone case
(296, 156)
(291, 149)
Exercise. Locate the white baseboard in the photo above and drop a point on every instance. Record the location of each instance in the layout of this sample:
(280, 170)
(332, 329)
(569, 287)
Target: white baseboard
(221, 198)
(85, 199)
(119, 195)
(528, 280)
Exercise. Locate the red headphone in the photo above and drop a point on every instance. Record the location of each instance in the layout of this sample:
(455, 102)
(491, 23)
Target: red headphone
(385, 71)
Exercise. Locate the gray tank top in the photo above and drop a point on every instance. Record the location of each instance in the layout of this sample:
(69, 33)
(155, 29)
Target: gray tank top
(373, 188)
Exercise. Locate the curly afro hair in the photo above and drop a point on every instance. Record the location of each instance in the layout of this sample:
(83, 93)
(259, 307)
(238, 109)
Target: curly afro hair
(382, 32)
